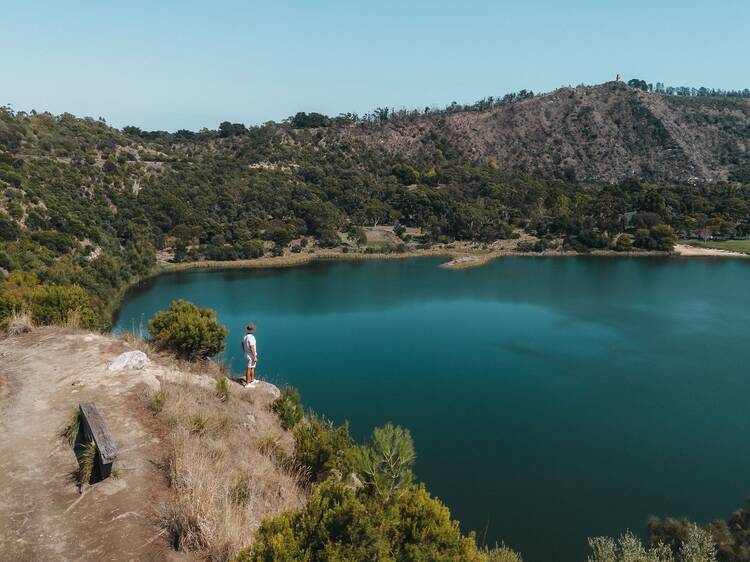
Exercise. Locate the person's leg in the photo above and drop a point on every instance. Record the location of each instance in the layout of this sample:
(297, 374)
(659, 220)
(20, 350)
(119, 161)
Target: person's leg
(249, 374)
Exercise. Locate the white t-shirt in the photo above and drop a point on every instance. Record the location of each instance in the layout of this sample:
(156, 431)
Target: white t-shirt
(247, 342)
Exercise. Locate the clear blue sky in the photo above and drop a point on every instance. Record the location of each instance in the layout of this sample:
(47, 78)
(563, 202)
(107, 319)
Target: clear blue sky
(170, 64)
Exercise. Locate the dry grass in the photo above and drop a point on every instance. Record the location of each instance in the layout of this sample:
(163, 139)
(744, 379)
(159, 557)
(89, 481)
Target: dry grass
(73, 320)
(226, 466)
(20, 323)
(222, 389)
(137, 341)
(70, 432)
(86, 463)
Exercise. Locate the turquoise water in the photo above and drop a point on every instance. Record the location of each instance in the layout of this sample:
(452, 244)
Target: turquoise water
(550, 399)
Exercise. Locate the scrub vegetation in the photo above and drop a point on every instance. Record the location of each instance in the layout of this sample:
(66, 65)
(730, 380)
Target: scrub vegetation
(190, 332)
(364, 503)
(86, 209)
(224, 482)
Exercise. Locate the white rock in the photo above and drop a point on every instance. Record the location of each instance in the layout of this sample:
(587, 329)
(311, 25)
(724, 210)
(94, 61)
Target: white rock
(129, 360)
(267, 387)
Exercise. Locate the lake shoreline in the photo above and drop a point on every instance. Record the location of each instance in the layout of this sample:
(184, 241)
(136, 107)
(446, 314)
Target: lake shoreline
(540, 344)
(457, 259)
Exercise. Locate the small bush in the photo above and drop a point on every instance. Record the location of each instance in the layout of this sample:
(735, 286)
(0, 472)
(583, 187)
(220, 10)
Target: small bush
(222, 389)
(698, 546)
(288, 407)
(157, 402)
(242, 490)
(86, 463)
(503, 554)
(20, 323)
(189, 331)
(270, 446)
(70, 432)
(387, 463)
(21, 294)
(321, 447)
(199, 423)
(52, 304)
(624, 243)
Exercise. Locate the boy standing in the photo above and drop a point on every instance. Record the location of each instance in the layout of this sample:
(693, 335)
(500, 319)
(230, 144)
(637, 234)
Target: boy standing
(250, 349)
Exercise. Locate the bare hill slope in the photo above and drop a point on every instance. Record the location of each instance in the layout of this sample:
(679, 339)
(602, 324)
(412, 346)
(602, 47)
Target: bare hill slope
(603, 133)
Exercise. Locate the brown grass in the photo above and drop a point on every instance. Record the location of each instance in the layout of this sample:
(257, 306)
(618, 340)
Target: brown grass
(137, 341)
(20, 323)
(227, 467)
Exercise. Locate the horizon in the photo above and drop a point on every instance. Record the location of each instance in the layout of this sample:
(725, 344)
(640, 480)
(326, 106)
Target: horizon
(176, 66)
(281, 120)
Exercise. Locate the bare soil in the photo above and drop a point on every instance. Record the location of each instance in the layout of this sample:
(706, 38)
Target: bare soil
(43, 377)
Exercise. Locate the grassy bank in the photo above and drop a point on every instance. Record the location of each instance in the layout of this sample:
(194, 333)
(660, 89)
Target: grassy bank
(741, 246)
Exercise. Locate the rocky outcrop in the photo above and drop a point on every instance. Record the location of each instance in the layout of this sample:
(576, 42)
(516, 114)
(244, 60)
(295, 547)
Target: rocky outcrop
(129, 360)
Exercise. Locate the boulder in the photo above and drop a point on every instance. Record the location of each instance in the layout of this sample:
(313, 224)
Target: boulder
(129, 360)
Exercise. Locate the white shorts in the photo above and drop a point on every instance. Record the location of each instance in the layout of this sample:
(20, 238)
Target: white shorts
(250, 362)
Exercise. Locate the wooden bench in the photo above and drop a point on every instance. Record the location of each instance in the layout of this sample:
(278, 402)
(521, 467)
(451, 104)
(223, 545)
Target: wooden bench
(94, 429)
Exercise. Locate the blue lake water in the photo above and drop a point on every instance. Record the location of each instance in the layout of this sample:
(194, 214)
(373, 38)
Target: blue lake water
(550, 399)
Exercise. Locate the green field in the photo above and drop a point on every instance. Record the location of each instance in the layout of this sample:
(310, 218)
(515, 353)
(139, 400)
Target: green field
(731, 245)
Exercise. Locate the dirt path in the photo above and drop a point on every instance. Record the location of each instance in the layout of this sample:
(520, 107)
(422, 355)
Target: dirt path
(43, 376)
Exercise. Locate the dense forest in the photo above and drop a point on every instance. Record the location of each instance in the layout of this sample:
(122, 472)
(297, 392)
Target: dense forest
(84, 207)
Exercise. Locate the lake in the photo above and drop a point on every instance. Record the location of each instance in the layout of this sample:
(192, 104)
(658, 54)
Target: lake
(550, 399)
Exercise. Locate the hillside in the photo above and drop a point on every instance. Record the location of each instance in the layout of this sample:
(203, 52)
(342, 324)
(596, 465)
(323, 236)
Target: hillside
(605, 168)
(603, 133)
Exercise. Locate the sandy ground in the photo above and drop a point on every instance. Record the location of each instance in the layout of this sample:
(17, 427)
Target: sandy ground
(685, 250)
(43, 517)
(43, 377)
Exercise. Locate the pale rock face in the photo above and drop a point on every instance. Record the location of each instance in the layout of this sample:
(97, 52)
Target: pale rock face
(129, 360)
(269, 388)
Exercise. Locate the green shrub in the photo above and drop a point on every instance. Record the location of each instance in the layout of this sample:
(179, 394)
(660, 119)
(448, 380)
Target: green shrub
(199, 423)
(321, 447)
(86, 462)
(156, 404)
(250, 249)
(386, 465)
(342, 523)
(189, 331)
(288, 406)
(222, 389)
(70, 432)
(8, 228)
(53, 304)
(624, 243)
(48, 304)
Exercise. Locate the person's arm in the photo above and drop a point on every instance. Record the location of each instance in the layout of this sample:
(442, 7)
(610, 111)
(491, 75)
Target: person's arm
(253, 354)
